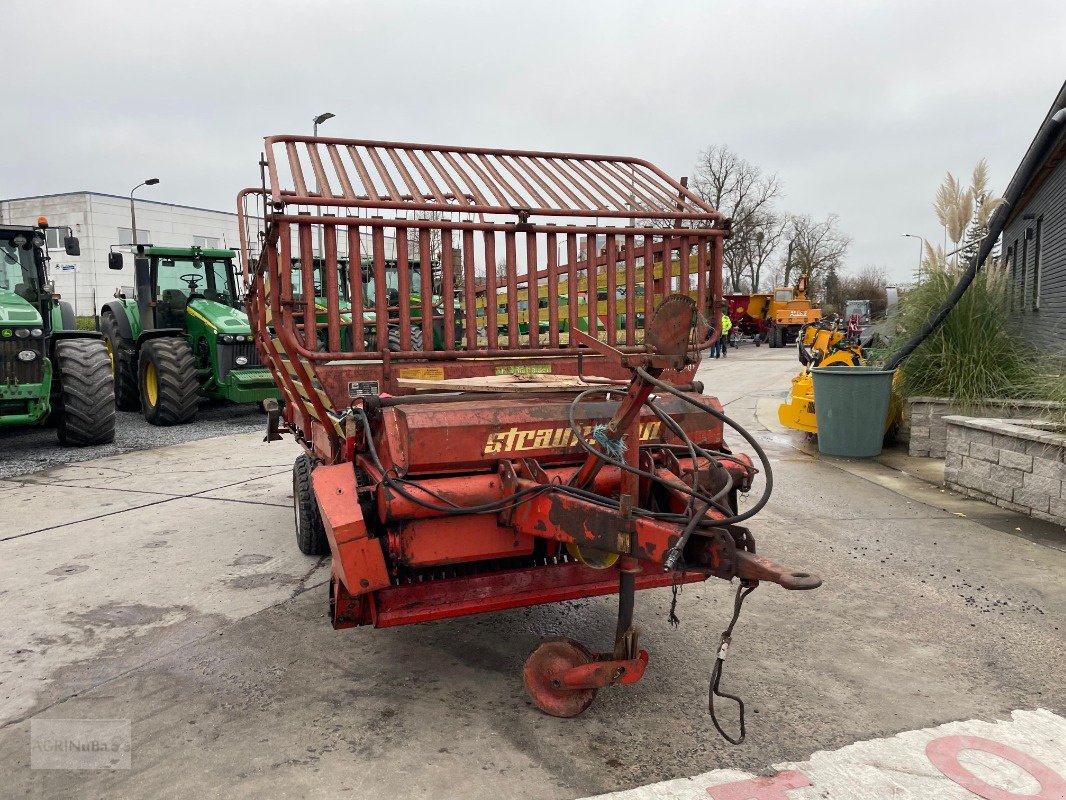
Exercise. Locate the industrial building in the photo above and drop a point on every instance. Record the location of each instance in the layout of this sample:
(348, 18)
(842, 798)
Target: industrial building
(101, 221)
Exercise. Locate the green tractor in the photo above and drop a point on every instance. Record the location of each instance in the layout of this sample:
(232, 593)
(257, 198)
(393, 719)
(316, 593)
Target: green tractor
(369, 295)
(182, 336)
(49, 371)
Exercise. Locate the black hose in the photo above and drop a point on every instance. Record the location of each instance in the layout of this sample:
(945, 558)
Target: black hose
(621, 464)
(714, 412)
(1044, 139)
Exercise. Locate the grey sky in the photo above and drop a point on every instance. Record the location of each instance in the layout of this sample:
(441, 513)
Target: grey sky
(859, 107)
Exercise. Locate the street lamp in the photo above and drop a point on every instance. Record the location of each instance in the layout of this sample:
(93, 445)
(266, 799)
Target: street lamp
(322, 118)
(921, 249)
(133, 211)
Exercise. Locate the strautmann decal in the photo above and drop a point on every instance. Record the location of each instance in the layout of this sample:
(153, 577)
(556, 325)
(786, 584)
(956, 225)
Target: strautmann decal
(517, 440)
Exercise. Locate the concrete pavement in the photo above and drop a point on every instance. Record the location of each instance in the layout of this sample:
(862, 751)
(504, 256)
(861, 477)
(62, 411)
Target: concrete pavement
(164, 587)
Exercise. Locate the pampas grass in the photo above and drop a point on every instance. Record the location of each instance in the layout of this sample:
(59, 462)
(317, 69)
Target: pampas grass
(977, 353)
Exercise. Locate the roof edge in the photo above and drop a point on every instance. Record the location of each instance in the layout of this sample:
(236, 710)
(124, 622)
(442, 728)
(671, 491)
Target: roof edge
(1025, 169)
(140, 200)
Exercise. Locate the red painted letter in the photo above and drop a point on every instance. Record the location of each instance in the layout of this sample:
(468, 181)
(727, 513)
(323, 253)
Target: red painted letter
(772, 788)
(943, 752)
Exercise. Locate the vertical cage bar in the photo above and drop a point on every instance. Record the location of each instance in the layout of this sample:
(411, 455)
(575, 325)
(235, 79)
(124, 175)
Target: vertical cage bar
(403, 286)
(284, 290)
(355, 282)
(381, 303)
(611, 263)
(701, 275)
(447, 289)
(425, 273)
(491, 301)
(469, 298)
(683, 263)
(553, 289)
(532, 290)
(307, 267)
(631, 289)
(716, 271)
(512, 288)
(592, 288)
(649, 281)
(330, 281)
(571, 285)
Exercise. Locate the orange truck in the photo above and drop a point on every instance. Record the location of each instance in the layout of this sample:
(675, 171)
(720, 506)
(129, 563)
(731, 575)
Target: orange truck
(790, 309)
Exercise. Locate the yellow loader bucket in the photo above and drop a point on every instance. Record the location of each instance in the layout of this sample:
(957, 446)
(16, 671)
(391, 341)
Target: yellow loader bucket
(798, 412)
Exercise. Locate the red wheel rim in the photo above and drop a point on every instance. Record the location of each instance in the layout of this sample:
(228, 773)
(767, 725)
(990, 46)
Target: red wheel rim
(549, 659)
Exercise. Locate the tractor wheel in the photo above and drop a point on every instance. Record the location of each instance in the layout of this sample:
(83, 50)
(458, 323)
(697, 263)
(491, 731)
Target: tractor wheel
(168, 381)
(86, 408)
(310, 533)
(126, 393)
(779, 336)
(417, 340)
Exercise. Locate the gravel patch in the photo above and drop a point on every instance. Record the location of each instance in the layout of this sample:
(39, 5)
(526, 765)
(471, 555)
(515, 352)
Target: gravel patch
(26, 450)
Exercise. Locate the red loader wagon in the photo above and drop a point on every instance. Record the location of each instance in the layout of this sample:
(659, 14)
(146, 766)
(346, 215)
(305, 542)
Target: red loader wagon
(448, 473)
(748, 314)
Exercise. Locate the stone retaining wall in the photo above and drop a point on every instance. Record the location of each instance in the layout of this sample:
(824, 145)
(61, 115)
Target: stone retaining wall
(1015, 464)
(925, 431)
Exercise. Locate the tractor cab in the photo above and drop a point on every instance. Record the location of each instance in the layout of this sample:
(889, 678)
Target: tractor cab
(47, 367)
(22, 280)
(392, 282)
(344, 292)
(176, 283)
(25, 293)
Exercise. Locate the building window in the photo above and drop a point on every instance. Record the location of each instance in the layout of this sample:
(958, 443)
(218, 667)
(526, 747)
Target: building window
(209, 242)
(125, 236)
(54, 237)
(1036, 264)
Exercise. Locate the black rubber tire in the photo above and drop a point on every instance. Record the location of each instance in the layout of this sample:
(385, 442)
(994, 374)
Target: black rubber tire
(310, 532)
(85, 410)
(417, 340)
(177, 398)
(779, 336)
(127, 391)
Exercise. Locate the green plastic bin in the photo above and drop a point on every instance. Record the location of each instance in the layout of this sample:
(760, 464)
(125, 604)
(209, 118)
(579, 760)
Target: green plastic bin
(851, 406)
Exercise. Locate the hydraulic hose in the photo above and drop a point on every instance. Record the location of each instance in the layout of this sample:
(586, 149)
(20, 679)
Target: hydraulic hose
(1044, 140)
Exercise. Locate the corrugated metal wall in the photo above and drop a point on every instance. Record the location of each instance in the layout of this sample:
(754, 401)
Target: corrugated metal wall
(1035, 250)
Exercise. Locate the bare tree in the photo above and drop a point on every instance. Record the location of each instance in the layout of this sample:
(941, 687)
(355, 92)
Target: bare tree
(813, 247)
(740, 190)
(755, 250)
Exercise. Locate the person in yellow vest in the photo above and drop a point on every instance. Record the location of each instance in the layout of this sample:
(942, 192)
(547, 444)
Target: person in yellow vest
(722, 344)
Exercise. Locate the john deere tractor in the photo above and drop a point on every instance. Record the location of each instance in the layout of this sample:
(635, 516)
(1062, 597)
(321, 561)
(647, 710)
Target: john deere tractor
(49, 372)
(182, 336)
(369, 296)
